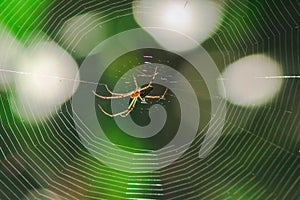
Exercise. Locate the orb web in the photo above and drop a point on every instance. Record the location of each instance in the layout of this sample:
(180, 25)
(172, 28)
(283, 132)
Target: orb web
(256, 157)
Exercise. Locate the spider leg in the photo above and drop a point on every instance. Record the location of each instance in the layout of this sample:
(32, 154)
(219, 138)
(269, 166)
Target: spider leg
(153, 77)
(127, 113)
(132, 104)
(135, 82)
(143, 100)
(112, 97)
(111, 92)
(113, 115)
(154, 74)
(154, 97)
(164, 94)
(122, 113)
(130, 107)
(158, 96)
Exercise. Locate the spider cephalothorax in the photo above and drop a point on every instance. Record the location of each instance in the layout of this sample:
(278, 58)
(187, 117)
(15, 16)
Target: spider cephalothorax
(139, 93)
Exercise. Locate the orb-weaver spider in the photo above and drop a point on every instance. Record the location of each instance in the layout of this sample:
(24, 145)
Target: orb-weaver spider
(139, 93)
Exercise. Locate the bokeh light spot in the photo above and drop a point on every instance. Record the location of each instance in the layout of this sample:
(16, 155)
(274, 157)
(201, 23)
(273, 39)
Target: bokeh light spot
(195, 19)
(245, 82)
(47, 82)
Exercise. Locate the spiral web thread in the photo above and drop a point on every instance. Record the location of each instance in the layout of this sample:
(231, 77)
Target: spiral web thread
(256, 158)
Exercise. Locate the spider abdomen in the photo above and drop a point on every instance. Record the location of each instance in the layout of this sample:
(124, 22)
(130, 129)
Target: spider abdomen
(135, 94)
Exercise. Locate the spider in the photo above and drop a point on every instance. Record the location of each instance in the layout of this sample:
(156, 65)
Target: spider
(139, 93)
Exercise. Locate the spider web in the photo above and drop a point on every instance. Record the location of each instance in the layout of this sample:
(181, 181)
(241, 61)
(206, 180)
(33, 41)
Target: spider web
(257, 156)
